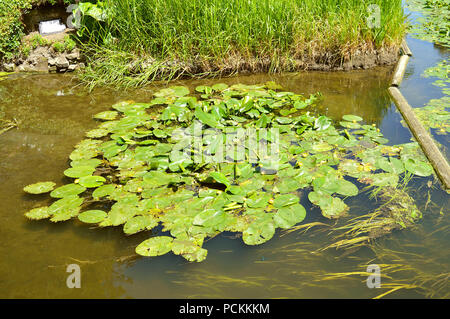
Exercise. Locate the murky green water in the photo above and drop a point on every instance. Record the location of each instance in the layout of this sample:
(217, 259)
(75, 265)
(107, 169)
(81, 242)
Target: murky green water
(53, 113)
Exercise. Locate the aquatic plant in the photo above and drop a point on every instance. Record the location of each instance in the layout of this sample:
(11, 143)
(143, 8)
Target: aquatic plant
(229, 158)
(434, 25)
(435, 113)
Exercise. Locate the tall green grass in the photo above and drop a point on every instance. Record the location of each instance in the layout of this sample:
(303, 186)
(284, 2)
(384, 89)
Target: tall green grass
(164, 38)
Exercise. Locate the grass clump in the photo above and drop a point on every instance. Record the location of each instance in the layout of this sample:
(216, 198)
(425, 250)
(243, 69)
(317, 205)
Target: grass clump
(202, 37)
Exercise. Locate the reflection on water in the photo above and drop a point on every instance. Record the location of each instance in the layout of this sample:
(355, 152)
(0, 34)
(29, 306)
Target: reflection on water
(53, 113)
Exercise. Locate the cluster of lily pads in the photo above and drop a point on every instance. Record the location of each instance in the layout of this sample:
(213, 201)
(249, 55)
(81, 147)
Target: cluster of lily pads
(435, 114)
(124, 173)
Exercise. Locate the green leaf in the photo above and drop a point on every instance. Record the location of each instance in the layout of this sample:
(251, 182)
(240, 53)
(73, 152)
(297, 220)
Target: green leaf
(346, 188)
(155, 246)
(259, 231)
(92, 181)
(39, 188)
(92, 216)
(351, 118)
(106, 115)
(38, 213)
(418, 168)
(220, 178)
(79, 171)
(189, 250)
(285, 200)
(139, 223)
(104, 190)
(67, 190)
(287, 217)
(65, 208)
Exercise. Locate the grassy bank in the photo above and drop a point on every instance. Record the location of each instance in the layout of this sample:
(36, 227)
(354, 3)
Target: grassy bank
(141, 40)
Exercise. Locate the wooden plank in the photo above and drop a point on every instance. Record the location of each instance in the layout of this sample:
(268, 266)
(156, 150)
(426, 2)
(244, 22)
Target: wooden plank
(400, 70)
(405, 48)
(424, 139)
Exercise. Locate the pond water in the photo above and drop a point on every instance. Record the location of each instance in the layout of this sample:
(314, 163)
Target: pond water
(54, 112)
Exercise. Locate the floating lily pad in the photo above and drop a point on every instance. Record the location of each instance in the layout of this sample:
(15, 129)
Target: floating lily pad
(92, 181)
(65, 208)
(287, 217)
(92, 216)
(285, 200)
(352, 118)
(106, 115)
(38, 213)
(67, 190)
(39, 188)
(79, 171)
(259, 231)
(155, 246)
(139, 223)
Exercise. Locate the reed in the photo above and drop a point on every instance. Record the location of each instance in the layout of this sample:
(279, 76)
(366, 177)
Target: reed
(146, 39)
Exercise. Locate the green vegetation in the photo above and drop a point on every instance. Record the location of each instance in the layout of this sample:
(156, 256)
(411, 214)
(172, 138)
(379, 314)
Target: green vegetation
(202, 164)
(133, 42)
(434, 26)
(67, 45)
(11, 27)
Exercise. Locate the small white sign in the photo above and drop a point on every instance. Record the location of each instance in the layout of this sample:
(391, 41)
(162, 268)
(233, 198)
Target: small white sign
(52, 26)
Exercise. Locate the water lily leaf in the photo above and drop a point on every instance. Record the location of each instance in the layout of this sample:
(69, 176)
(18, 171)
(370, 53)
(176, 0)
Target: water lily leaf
(38, 213)
(351, 118)
(322, 123)
(65, 208)
(288, 185)
(220, 178)
(259, 231)
(67, 190)
(139, 223)
(346, 188)
(283, 120)
(121, 212)
(335, 210)
(106, 115)
(285, 200)
(287, 217)
(97, 133)
(206, 118)
(189, 250)
(92, 181)
(79, 171)
(155, 246)
(104, 190)
(393, 165)
(92, 216)
(179, 90)
(111, 149)
(219, 87)
(300, 104)
(93, 162)
(211, 218)
(321, 147)
(39, 188)
(418, 168)
(332, 207)
(351, 125)
(258, 200)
